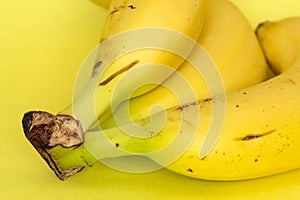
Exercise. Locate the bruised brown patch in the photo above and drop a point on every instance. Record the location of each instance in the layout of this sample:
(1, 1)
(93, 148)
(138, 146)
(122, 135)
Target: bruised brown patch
(45, 131)
(114, 75)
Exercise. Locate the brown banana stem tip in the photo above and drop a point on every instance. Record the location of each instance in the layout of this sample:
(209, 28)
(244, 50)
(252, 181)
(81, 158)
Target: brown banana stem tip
(45, 131)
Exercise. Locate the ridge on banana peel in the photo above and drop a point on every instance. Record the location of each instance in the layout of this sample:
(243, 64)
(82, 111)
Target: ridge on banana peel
(230, 42)
(260, 136)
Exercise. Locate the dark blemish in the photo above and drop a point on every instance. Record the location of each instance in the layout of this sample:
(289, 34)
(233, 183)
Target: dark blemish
(117, 145)
(131, 7)
(190, 170)
(181, 108)
(255, 136)
(244, 92)
(237, 106)
(114, 11)
(255, 160)
(207, 100)
(114, 75)
(26, 122)
(96, 66)
(85, 161)
(117, 9)
(203, 158)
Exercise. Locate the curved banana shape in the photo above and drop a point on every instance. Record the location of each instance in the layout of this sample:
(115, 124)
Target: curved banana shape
(128, 24)
(260, 135)
(230, 42)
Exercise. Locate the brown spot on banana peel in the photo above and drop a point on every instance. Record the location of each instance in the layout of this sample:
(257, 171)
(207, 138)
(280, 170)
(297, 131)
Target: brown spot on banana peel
(182, 107)
(114, 75)
(190, 170)
(255, 136)
(114, 11)
(131, 7)
(117, 9)
(45, 131)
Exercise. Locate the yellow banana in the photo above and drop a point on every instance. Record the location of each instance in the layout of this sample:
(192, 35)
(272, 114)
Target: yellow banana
(137, 36)
(277, 62)
(130, 29)
(259, 137)
(230, 42)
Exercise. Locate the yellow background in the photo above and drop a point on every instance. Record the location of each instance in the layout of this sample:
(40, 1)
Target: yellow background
(42, 45)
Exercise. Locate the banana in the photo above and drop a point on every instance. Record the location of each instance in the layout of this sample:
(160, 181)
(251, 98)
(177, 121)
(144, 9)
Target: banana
(123, 49)
(137, 36)
(277, 62)
(231, 43)
(259, 136)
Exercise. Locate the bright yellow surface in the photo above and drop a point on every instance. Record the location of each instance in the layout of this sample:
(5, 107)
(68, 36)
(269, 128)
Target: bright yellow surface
(42, 45)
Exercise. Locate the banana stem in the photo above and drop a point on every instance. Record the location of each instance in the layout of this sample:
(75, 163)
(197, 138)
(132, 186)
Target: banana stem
(59, 140)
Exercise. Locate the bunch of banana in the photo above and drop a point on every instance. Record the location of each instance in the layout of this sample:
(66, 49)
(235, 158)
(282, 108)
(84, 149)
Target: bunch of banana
(260, 136)
(243, 56)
